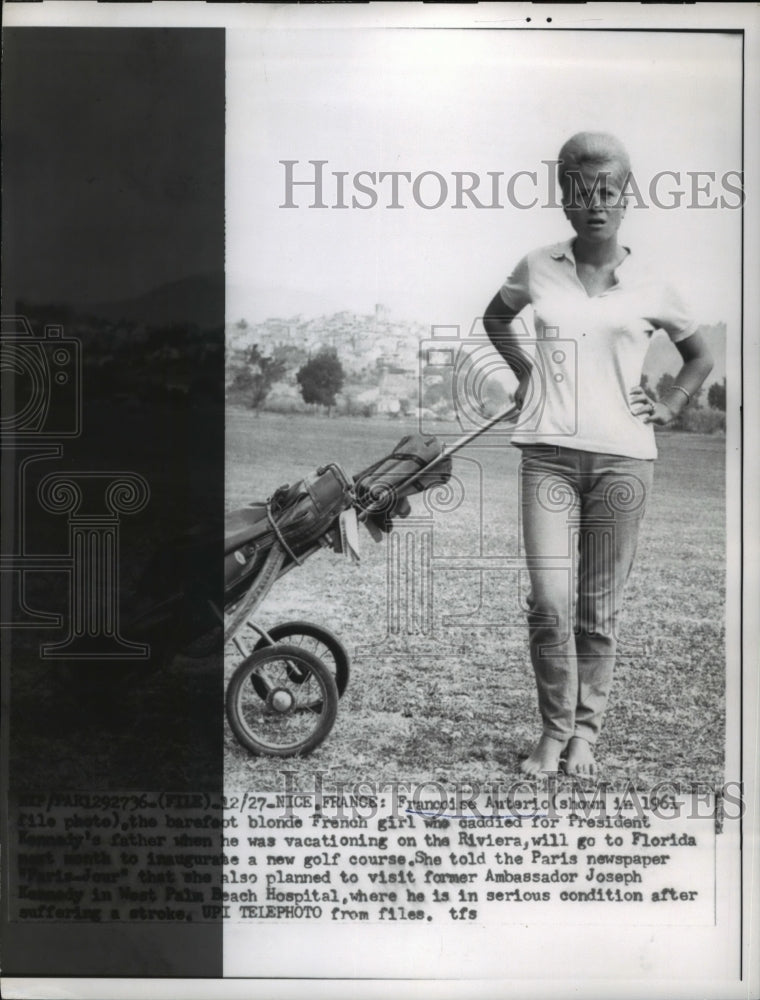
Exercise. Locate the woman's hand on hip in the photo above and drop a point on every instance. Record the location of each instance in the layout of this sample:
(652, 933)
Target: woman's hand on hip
(650, 411)
(522, 390)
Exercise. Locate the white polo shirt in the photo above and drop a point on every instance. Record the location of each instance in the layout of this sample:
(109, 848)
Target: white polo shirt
(589, 350)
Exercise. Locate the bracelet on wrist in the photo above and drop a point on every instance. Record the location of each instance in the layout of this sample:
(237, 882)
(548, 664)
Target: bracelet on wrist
(680, 388)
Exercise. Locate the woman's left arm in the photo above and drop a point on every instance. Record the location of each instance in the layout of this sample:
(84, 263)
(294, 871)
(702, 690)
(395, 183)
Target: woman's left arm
(697, 365)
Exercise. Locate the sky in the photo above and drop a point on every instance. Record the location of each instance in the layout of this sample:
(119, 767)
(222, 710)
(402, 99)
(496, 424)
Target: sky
(385, 99)
(90, 211)
(112, 161)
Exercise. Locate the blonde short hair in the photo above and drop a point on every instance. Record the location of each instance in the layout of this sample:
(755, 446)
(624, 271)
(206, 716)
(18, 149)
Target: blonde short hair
(594, 149)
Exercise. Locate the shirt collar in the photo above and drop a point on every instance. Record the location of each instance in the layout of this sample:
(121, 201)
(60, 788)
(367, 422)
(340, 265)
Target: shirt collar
(564, 251)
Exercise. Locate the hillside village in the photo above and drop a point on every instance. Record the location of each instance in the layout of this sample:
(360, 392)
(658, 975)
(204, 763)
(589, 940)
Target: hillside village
(379, 355)
(145, 351)
(385, 362)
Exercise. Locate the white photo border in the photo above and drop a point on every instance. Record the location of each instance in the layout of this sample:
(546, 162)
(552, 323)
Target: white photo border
(743, 507)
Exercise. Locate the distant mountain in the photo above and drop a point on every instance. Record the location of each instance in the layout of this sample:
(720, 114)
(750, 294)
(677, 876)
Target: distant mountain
(265, 302)
(197, 299)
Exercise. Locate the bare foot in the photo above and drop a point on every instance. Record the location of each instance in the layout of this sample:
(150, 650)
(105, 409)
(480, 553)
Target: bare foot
(580, 758)
(544, 756)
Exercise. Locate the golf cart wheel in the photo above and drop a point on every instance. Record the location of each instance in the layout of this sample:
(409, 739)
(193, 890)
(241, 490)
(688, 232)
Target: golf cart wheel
(281, 701)
(316, 640)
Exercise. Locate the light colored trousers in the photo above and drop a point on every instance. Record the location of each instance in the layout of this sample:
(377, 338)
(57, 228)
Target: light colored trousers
(581, 513)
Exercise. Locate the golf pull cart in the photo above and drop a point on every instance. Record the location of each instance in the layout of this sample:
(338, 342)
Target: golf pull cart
(282, 698)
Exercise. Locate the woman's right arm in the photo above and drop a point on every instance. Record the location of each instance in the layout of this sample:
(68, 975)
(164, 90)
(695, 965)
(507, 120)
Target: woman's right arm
(497, 322)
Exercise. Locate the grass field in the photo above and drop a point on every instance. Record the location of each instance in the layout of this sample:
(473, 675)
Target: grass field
(459, 704)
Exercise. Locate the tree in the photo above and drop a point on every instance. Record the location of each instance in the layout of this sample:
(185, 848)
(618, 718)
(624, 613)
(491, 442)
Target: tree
(645, 385)
(321, 378)
(258, 376)
(664, 383)
(716, 396)
(437, 386)
(495, 398)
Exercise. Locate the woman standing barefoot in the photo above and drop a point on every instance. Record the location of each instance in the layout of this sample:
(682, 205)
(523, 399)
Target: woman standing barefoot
(587, 459)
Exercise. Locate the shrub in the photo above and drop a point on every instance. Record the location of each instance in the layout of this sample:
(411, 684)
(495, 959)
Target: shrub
(703, 421)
